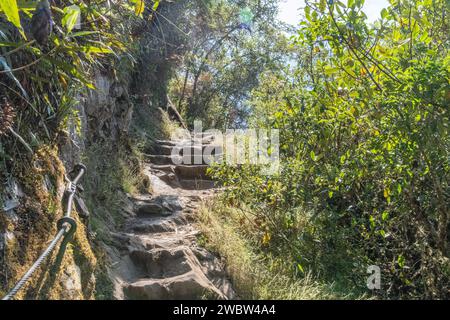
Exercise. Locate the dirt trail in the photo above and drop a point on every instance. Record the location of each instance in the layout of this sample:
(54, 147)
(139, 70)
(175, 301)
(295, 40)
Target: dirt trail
(156, 256)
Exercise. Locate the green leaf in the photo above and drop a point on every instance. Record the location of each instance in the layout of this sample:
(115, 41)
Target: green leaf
(155, 5)
(308, 13)
(330, 70)
(418, 117)
(401, 261)
(72, 70)
(139, 7)
(384, 13)
(386, 192)
(372, 221)
(313, 156)
(83, 33)
(71, 17)
(95, 49)
(11, 11)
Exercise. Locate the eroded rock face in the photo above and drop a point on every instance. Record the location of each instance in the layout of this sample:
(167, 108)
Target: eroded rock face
(101, 116)
(71, 280)
(108, 109)
(73, 145)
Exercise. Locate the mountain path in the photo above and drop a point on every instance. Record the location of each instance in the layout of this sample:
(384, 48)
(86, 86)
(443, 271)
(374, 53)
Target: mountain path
(156, 254)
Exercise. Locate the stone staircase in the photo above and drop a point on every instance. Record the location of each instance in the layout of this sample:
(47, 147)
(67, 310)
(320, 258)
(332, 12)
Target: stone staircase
(156, 255)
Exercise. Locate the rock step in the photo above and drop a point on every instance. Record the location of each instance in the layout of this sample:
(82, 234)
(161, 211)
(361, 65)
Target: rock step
(165, 263)
(163, 205)
(195, 184)
(166, 240)
(166, 142)
(191, 285)
(161, 159)
(191, 149)
(163, 168)
(159, 224)
(187, 172)
(159, 240)
(187, 184)
(183, 160)
(207, 139)
(169, 178)
(184, 172)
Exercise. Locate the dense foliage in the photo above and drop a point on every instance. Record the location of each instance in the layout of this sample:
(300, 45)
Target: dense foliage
(230, 44)
(42, 81)
(362, 109)
(365, 143)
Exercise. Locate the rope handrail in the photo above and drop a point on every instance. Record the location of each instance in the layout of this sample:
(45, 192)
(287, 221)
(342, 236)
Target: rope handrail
(66, 228)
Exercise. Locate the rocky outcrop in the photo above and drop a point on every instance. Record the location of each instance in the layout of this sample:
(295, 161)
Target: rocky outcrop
(102, 115)
(108, 109)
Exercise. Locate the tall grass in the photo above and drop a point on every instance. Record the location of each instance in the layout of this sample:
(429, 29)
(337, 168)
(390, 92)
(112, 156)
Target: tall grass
(253, 274)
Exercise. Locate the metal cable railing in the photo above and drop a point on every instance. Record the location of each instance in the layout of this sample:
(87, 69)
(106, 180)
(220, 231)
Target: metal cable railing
(66, 228)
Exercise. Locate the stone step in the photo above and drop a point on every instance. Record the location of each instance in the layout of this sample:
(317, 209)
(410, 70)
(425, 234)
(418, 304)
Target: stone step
(187, 184)
(182, 160)
(168, 168)
(168, 240)
(202, 134)
(165, 242)
(163, 205)
(165, 149)
(158, 224)
(190, 149)
(165, 263)
(159, 159)
(191, 285)
(169, 178)
(166, 142)
(206, 140)
(195, 184)
(189, 172)
(201, 159)
(184, 172)
(204, 137)
(144, 208)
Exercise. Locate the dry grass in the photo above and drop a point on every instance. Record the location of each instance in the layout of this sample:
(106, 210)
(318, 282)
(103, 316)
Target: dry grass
(254, 276)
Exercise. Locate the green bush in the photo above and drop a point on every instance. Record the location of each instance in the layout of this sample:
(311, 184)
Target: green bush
(364, 174)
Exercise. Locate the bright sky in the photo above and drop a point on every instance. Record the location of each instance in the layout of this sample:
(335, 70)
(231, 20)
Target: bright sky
(291, 10)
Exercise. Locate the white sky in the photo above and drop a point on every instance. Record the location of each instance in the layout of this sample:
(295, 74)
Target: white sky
(291, 10)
